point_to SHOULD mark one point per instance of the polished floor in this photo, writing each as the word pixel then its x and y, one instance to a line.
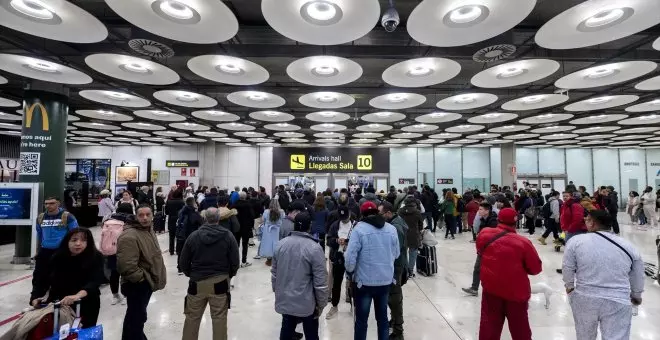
pixel 434 307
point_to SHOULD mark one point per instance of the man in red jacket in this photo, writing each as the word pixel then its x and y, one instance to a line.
pixel 472 208
pixel 506 260
pixel 571 217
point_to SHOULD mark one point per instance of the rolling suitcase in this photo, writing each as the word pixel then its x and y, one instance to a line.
pixel 427 262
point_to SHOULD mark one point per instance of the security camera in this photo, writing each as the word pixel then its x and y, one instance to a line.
pixel 390 19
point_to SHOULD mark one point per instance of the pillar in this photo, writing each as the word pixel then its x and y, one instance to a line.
pixel 508 164
pixel 42 149
pixel 208 172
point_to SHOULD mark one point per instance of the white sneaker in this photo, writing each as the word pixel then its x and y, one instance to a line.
pixel 332 312
pixel 257 257
pixel 246 264
pixel 116 298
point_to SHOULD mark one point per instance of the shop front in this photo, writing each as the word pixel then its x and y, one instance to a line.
pixel 318 169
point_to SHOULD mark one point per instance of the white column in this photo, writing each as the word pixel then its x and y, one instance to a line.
pixel 508 163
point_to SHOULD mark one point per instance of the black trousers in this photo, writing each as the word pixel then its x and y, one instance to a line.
pixel 137 300
pixel 179 248
pixel 172 233
pixel 551 227
pixel 530 224
pixel 615 222
pixel 114 274
pixel 450 224
pixel 245 244
pixel 338 271
pixel 476 273
pixel 89 311
pixel 42 267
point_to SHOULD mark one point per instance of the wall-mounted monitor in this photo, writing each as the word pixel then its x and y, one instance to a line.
pixel 19 203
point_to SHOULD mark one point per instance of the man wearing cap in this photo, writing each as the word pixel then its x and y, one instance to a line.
pixel 369 260
pixel 288 224
pixel 338 236
pixel 299 280
pixel 506 261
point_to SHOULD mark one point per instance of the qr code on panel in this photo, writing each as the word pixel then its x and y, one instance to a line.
pixel 30 163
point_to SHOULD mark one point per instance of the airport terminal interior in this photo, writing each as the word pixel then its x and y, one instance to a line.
pixel 531 95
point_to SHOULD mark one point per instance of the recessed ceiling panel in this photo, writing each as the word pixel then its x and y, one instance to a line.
pixel 190 126
pixel 56 20
pixel 650 84
pixel 535 102
pixel 114 98
pixel 553 129
pixel 4 102
pixel 228 70
pixel 256 99
pixel 515 73
pixel 329 127
pixel 321 22
pixel 144 126
pixel 185 99
pixel 509 128
pixel 233 126
pixel 596 22
pixel 467 101
pixel 607 74
pixel 466 128
pixel 250 134
pixel 421 127
pixel 283 127
pixel 446 23
pixel 326 100
pixel 192 21
pixel 653 105
pixel 383 117
pixel 324 71
pixel 641 120
pixel 421 72
pixel 600 103
pixel 42 70
pixel 133 69
pixel 374 127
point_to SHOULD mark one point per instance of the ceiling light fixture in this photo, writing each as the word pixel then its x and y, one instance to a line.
pixel 655 102
pixel 397 98
pixel 649 117
pixel 324 71
pixel 383 114
pixel 373 126
pixel 135 68
pixel 533 99
pixel 33 8
pixel 419 71
pixel 176 9
pixel 599 100
pixel 511 72
pixel 283 124
pixel 545 116
pixel 229 69
pixel 271 113
pixel 492 115
pixel 327 114
pixel 466 16
pixel 235 124
pixel 601 72
pixel 160 113
pixel 438 114
pixel 98 124
pixel 107 113
pixel 605 18
pixel 326 97
pixel 144 124
pixel 465 99
pixel 463 127
pixel 257 96
pixel 116 95
pixel 215 113
pixel 187 97
pixel 42 66
pixel 509 127
pixel 321 12
pixel 594 118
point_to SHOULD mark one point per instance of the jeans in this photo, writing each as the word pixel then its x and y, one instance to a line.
pixel 412 259
pixel 245 244
pixel 551 227
pixel 450 223
pixel 429 220
pixel 363 297
pixel 137 299
pixel 338 271
pixel 310 327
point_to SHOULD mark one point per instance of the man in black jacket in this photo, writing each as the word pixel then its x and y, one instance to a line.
pixel 210 259
pixel 246 220
pixel 210 200
pixel 613 207
pixel 172 208
pixel 488 219
pixel 188 221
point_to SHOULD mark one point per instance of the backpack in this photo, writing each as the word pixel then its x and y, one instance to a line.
pixel 110 233
pixel 65 218
pixel 546 211
pixel 460 206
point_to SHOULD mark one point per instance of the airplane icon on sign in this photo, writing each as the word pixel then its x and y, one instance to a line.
pixel 297 162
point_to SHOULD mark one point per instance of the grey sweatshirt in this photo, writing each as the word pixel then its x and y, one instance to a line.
pixel 554 207
pixel 597 268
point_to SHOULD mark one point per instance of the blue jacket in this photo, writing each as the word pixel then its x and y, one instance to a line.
pixel 318 222
pixel 371 253
pixel 233 198
pixel 270 234
pixel 51 231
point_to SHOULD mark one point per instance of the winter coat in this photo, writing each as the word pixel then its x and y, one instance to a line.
pixel 506 263
pixel 369 197
pixel 209 201
pixel 139 256
pixel 415 222
pixel 70 274
pixel 160 202
pixel 172 208
pixel 318 221
pixel 210 251
pixel 571 219
pixel 287 227
pixel 228 219
pixel 401 262
pixel 245 216
pixel 448 207
pixel 333 242
pixel 648 199
pixel 270 234
pixel 257 206
pixel 471 208
pixel 298 276
pixel 106 208
pixel 489 222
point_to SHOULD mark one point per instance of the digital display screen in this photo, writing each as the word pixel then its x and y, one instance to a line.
pixel 15 204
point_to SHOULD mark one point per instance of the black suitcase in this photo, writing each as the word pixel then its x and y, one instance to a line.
pixel 427 262
pixel 159 221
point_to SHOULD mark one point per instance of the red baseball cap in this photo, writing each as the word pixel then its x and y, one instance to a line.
pixel 368 208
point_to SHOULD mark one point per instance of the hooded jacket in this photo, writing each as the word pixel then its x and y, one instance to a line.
pixel 228 219
pixel 245 216
pixel 571 219
pixel 401 262
pixel 210 201
pixel 369 197
pixel 270 233
pixel 210 251
pixel 506 263
pixel 189 220
pixel 371 252
pixel 139 256
pixel 415 222
pixel 51 230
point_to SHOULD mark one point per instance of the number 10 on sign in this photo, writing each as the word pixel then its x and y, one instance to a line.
pixel 364 162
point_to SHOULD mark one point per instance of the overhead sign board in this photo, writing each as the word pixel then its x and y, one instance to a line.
pixel 182 164
pixel 336 160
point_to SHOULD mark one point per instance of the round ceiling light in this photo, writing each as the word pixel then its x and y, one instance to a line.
pixel 256 99
pixel 33 8
pixel 326 100
pixel 135 68
pixel 511 72
pixel 41 69
pixel 186 97
pixel 532 99
pixel 601 72
pixel 466 16
pixel 605 75
pixel 515 73
pixel 321 12
pixel 605 19
pixel 324 70
pixel 114 98
pixel 229 68
pixel 176 11
pixel 465 99
pixel 41 66
pixel 421 72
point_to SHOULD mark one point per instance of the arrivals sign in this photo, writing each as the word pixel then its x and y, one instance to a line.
pixel 335 160
pixel 182 164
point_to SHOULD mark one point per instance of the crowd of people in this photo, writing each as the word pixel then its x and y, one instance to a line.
pixel 372 242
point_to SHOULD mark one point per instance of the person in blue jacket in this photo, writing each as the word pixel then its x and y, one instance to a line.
pixel 319 218
pixel 52 227
pixel 233 197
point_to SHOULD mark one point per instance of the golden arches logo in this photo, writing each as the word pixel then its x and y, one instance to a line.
pixel 44 116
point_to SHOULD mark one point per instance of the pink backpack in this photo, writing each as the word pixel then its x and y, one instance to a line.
pixel 110 233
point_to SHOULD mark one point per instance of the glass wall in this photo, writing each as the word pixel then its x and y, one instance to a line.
pixel 476 169
pixel 448 169
pixel 633 171
pixel 551 161
pixel 527 161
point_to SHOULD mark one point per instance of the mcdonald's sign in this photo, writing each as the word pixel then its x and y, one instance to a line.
pixel 44 116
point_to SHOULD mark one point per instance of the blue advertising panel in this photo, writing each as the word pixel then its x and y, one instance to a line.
pixel 15 203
